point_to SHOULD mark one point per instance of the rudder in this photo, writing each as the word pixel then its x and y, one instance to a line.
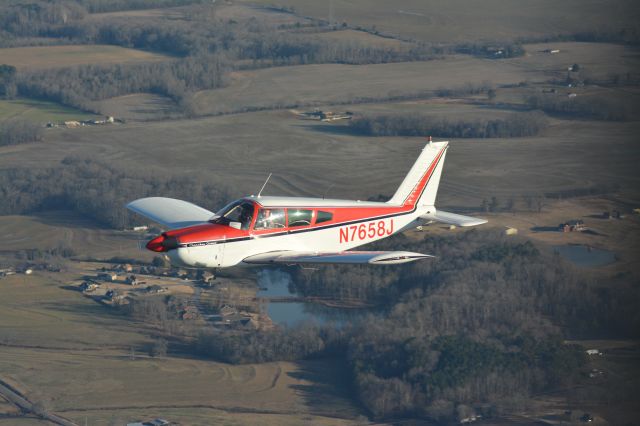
pixel 420 186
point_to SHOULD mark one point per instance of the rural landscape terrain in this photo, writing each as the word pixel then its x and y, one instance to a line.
pixel 531 318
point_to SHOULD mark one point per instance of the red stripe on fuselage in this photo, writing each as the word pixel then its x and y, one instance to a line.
pixel 341 215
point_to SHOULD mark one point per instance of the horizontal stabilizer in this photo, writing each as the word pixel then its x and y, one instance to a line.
pixel 452 218
pixel 170 212
pixel 345 257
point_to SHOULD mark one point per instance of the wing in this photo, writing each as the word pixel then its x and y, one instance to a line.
pixel 453 219
pixel 170 212
pixel 344 257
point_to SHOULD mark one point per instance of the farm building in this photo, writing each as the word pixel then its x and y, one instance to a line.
pixel 108 276
pixel 576 225
pixel 89 286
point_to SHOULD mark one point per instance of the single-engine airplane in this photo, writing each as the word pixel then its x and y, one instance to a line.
pixel 259 230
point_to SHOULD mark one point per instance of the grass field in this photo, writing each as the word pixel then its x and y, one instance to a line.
pixel 65 350
pixel 49 229
pixel 332 83
pixel 447 21
pixel 39 111
pixel 31 58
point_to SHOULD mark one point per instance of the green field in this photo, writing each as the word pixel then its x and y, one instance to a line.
pixel 40 111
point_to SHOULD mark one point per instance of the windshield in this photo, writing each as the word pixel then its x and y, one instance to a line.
pixel 239 212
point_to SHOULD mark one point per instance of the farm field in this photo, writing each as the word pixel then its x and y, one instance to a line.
pixel 446 21
pixel 82 358
pixel 306 157
pixel 32 58
pixel 81 366
pixel 47 230
pixel 40 111
pixel 333 83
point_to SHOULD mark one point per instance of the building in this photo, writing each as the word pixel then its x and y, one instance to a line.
pixel 511 231
pixel 108 276
pixel 89 286
pixel 575 225
pixel 132 280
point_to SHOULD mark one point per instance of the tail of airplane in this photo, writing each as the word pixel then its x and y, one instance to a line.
pixel 420 187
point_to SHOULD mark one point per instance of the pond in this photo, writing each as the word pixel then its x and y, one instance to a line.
pixel 585 256
pixel 275 283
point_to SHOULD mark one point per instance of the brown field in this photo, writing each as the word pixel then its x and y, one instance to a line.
pixel 333 83
pixel 75 356
pixel 48 230
pixel 307 157
pixel 446 21
pixel 138 107
pixel 361 38
pixel 30 58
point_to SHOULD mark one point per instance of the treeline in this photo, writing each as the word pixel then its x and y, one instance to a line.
pixel 511 279
pixel 493 50
pixel 283 344
pixel 97 6
pixel 18 131
pixel 514 125
pixel 588 107
pixel 77 86
pixel 97 190
pixel 477 326
pixel 291 49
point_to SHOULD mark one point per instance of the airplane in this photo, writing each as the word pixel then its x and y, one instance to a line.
pixel 267 230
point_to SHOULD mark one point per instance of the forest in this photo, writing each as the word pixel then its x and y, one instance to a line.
pixel 477 325
pixel 97 190
pixel 517 124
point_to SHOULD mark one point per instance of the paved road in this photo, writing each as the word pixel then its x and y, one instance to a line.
pixel 26 406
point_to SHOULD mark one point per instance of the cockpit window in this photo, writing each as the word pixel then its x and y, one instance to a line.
pixel 270 219
pixel 299 217
pixel 324 217
pixel 237 215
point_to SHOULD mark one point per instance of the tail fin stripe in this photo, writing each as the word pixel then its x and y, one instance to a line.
pixel 421 185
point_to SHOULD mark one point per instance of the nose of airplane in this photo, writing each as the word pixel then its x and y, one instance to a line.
pixel 163 243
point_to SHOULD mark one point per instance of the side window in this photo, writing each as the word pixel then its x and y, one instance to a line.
pixel 299 217
pixel 324 217
pixel 270 219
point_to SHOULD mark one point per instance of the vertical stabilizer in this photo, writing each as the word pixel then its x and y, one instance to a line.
pixel 420 186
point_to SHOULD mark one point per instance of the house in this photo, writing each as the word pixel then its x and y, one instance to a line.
pixel 227 310
pixel 575 225
pixel 155 289
pixel 189 312
pixel 594 352
pixel 114 296
pixel 140 228
pixel 511 231
pixel 72 124
pixel 89 286
pixel 132 280
pixel 108 276
pixel 207 278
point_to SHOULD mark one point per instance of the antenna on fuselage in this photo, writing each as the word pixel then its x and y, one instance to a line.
pixel 327 190
pixel 265 184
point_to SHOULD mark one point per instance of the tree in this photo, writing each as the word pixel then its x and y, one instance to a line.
pixel 159 348
pixel 8 81
pixel 494 204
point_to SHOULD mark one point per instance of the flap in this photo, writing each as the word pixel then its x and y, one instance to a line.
pixel 453 219
pixel 344 257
